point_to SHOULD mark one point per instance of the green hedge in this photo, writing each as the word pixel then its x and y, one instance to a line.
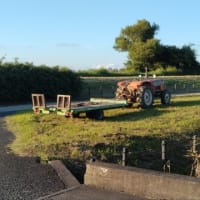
pixel 19 80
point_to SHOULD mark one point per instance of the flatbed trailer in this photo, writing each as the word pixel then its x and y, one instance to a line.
pixel 94 108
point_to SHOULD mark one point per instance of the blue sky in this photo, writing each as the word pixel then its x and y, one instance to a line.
pixel 80 34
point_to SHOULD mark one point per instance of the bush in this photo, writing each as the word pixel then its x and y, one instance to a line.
pixel 19 80
pixel 169 70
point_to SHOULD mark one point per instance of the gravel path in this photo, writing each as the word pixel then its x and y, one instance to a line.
pixel 22 177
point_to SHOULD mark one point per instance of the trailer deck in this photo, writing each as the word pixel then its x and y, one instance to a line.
pixel 93 108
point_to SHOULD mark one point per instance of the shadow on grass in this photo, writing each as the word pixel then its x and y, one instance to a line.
pixel 136 115
pixel 145 152
pixel 142 152
pixel 154 111
pixel 187 103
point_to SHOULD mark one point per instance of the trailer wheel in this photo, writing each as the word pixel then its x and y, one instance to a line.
pixel 75 115
pixel 129 105
pixel 99 115
pixel 95 114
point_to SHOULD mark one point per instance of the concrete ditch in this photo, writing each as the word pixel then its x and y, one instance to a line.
pixel 143 183
pixel 76 191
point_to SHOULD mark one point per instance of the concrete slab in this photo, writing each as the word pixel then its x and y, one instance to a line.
pixel 142 182
pixel 75 191
pixel 65 175
pixel 89 193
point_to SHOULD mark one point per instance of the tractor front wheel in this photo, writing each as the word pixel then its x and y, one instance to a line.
pixel 145 97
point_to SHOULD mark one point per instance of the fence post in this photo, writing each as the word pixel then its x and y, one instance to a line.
pixel 101 91
pixel 166 163
pixel 89 92
pixel 113 91
pixel 193 85
pixel 194 144
pixel 124 155
pixel 163 150
pixel 175 86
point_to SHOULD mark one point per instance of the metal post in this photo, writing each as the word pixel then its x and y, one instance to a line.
pixel 163 149
pixel 168 166
pixel 175 86
pixel 193 85
pixel 146 72
pixel 124 153
pixel 113 92
pixel 101 91
pixel 194 144
pixel 89 92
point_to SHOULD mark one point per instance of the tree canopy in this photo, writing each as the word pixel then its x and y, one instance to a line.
pixel 130 35
pixel 144 50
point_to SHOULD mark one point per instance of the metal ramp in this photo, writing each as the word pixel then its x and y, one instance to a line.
pixel 39 104
pixel 63 105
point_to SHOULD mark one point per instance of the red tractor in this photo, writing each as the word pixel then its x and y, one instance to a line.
pixel 143 92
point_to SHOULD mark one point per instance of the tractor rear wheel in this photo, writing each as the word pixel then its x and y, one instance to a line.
pixel 145 97
pixel 165 97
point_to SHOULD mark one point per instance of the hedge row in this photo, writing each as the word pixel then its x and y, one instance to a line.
pixel 19 80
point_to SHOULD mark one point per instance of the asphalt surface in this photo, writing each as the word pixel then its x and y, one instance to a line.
pixel 22 178
pixel 90 193
pixel 8 110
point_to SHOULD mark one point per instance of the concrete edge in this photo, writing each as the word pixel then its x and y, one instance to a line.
pixel 143 183
pixel 154 173
pixel 57 193
pixel 70 182
pixel 64 174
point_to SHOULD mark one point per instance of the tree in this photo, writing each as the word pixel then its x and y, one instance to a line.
pixel 138 40
pixel 146 51
pixel 143 54
pixel 188 59
pixel 183 59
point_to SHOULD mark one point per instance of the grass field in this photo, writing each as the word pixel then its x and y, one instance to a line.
pixel 140 131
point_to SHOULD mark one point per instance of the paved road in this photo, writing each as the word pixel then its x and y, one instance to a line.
pixel 90 193
pixel 15 107
pixel 22 178
pixel 6 110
